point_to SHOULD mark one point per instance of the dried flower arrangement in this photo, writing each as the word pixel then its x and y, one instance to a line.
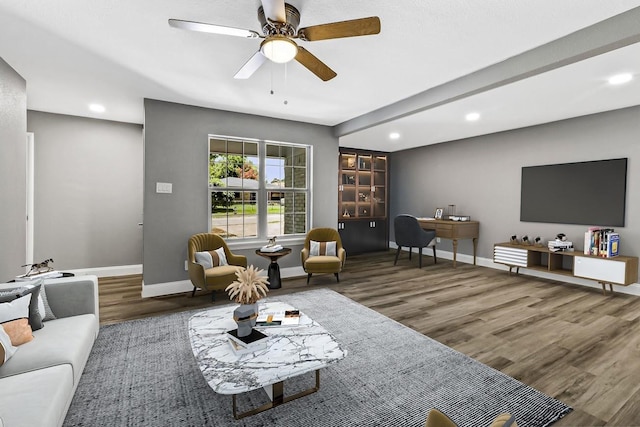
pixel 249 287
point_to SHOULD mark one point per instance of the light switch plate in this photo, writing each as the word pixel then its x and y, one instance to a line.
pixel 164 187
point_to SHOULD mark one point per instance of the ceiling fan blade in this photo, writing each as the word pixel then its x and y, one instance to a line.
pixel 314 65
pixel 274 10
pixel 251 66
pixel 212 28
pixel 335 30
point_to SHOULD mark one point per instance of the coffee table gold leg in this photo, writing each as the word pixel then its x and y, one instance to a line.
pixel 278 398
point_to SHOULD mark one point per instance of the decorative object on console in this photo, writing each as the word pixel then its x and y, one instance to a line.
pixel 271 246
pixel 560 245
pixel 246 291
pixel 39 267
pixel 525 240
pixel 451 212
pixel 514 240
pixel 438 213
pixel 537 240
pixel 561 237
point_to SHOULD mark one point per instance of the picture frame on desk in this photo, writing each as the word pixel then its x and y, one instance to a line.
pixel 438 213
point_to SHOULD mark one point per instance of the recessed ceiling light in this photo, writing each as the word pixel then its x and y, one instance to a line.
pixel 394 135
pixel 472 117
pixel 96 108
pixel 619 79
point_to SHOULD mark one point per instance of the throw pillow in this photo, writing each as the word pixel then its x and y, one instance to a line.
pixel 16 309
pixel 6 348
pixel 322 248
pixel 210 259
pixel 19 331
pixel 35 306
pixel 48 312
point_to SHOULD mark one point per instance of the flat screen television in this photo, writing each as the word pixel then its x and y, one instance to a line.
pixel 587 193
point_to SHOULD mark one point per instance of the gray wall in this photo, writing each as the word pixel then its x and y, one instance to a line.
pixel 481 176
pixel 176 151
pixel 88 191
pixel 13 152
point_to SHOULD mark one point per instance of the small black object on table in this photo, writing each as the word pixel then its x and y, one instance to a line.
pixel 274 269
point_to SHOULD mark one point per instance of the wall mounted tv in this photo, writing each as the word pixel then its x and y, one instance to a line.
pixel 587 193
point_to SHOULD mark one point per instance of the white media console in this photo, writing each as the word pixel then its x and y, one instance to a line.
pixel 620 270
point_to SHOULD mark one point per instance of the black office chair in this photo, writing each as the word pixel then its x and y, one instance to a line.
pixel 409 234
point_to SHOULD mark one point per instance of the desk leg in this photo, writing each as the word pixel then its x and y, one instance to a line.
pixel 475 248
pixel 455 251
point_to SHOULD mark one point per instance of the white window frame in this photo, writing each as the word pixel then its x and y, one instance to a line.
pixel 262 202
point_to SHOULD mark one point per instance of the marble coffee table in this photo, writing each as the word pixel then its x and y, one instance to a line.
pixel 291 351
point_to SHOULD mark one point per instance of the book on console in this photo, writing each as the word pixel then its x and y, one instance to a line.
pixel 274 248
pixel 46 275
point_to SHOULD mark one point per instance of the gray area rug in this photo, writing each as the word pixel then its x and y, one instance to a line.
pixel 143 373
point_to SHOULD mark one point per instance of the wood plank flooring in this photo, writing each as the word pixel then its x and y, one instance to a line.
pixel 567 341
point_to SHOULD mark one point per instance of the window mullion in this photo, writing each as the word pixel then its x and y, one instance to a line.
pixel 262 192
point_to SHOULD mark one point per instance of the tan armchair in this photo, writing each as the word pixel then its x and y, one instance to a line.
pixel 215 278
pixel 323 264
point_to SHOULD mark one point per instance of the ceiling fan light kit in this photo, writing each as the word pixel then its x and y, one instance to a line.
pixel 279 22
pixel 279 49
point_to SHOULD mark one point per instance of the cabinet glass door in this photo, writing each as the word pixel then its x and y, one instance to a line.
pixel 362 185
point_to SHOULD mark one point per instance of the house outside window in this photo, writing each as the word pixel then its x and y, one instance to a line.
pixel 258 189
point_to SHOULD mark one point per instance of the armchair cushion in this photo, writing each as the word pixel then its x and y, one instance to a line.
pixel 210 259
pixel 322 248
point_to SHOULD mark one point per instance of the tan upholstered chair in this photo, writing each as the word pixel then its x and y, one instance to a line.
pixel 323 264
pixel 215 278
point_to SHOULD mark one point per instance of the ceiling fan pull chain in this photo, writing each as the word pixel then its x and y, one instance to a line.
pixel 271 72
pixel 286 87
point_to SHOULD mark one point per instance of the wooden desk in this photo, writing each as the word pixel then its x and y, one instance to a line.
pixel 454 230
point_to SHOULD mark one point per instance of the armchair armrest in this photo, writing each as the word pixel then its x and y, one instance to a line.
pixel 304 255
pixel 240 260
pixel 196 274
pixel 342 254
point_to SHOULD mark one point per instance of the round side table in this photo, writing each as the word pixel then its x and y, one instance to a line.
pixel 274 269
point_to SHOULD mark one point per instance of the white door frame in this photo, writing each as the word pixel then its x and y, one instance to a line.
pixel 30 197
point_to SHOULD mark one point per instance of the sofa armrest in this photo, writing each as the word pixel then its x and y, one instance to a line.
pixel 71 296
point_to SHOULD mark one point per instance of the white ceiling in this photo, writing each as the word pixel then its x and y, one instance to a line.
pixel 118 52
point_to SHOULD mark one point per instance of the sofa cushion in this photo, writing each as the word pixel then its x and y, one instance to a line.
pixel 62 341
pixel 38 398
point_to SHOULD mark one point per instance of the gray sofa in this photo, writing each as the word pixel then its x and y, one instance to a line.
pixel 37 384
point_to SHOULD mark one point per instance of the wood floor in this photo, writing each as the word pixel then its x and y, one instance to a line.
pixel 567 341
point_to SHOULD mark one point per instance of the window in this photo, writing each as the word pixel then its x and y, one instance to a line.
pixel 258 189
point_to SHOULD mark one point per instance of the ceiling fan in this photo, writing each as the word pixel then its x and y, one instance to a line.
pixel 279 21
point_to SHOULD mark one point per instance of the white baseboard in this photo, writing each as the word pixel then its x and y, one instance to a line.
pixel 167 288
pixel 633 289
pixel 181 286
pixel 118 270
